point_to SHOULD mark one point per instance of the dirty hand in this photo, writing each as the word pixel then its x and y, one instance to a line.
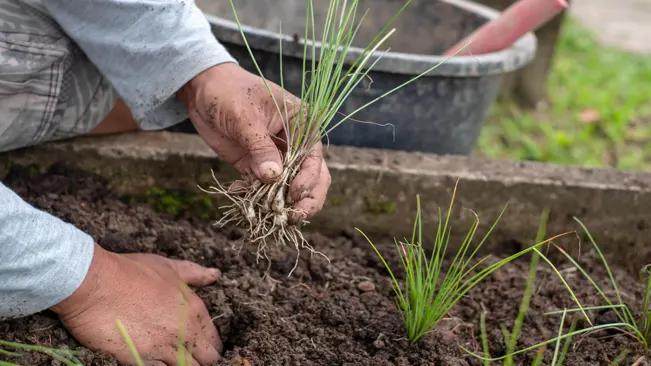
pixel 143 291
pixel 234 113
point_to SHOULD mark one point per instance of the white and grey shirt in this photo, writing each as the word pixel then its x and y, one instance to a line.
pixel 63 64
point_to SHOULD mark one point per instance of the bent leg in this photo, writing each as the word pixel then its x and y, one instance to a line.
pixel 118 120
pixel 49 90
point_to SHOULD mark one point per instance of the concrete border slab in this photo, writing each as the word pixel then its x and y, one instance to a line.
pixel 375 190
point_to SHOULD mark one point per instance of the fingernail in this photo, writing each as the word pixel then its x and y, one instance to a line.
pixel 269 170
pixel 215 272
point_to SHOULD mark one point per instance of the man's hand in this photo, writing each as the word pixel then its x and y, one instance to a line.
pixel 234 113
pixel 144 292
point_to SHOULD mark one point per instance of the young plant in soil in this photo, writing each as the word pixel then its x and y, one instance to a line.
pixel 263 209
pixel 430 292
pixel 511 336
pixel 636 326
pixel 64 356
pixel 559 353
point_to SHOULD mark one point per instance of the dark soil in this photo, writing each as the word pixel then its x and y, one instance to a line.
pixel 325 314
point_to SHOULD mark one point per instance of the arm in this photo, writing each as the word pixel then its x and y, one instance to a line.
pixel 147 49
pixel 150 50
pixel 43 260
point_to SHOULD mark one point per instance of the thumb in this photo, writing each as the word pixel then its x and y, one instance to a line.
pixel 266 163
pixel 195 274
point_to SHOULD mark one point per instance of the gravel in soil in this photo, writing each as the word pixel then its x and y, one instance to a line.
pixel 338 313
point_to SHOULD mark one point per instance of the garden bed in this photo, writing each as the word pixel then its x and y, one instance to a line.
pixel 325 314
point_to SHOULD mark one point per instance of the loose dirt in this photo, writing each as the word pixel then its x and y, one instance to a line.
pixel 325 314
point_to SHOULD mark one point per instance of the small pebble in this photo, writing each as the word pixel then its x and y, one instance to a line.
pixel 378 343
pixel 227 282
pixel 366 286
pixel 208 252
pixel 240 361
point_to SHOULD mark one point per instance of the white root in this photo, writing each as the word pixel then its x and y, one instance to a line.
pixel 263 211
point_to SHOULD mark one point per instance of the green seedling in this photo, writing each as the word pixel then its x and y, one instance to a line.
pixel 511 337
pixel 559 352
pixel 64 356
pixel 638 327
pixel 263 209
pixel 429 292
pixel 635 327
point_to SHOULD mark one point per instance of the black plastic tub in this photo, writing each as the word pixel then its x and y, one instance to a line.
pixel 441 113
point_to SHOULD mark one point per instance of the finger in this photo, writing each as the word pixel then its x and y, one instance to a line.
pixel 201 334
pixel 315 200
pixel 210 333
pixel 204 324
pixel 203 351
pixel 265 161
pixel 194 274
pixel 308 177
pixel 238 187
pixel 170 356
pixel 154 363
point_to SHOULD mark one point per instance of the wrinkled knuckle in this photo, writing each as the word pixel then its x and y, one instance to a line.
pixel 259 146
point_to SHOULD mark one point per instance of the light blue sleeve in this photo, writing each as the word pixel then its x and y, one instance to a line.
pixel 147 49
pixel 43 260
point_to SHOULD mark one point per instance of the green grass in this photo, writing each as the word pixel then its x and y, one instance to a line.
pixel 13 351
pixel 637 326
pixel 430 290
pixel 586 78
pixel 511 336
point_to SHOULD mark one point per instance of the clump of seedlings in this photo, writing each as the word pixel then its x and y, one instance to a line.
pixel 511 336
pixel 637 326
pixel 430 291
pixel 263 210
pixel 12 350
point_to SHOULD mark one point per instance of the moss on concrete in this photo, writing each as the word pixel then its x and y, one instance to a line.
pixel 176 202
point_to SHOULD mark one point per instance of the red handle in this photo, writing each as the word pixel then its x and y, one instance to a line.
pixel 520 18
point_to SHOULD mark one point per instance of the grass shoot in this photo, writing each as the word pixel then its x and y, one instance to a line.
pixel 429 291
pixel 638 327
pixel 511 336
pixel 263 209
pixel 64 356
pixel 558 358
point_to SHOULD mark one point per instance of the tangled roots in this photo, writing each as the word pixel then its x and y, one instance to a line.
pixel 262 210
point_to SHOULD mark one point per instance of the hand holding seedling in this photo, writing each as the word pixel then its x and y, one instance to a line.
pixel 150 306
pixel 235 114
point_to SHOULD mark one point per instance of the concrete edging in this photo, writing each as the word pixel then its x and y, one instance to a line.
pixel 376 190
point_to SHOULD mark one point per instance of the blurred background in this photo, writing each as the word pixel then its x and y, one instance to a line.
pixel 592 107
pixel 584 100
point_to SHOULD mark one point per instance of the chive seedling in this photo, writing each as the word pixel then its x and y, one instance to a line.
pixel 638 327
pixel 511 336
pixel 263 209
pixel 430 292
pixel 558 358
pixel 63 356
